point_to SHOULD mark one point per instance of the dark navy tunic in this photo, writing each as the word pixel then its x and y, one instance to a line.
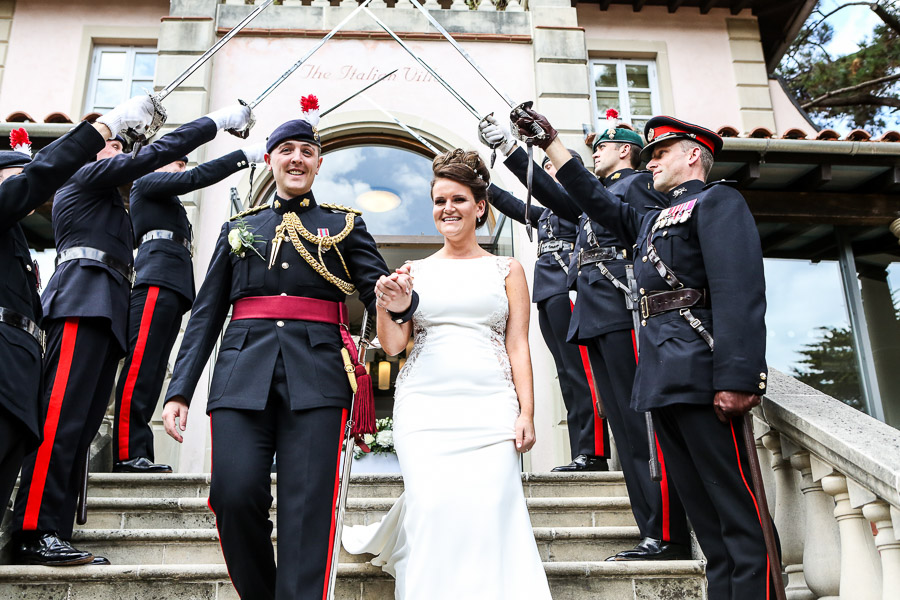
pixel 716 248
pixel 19 195
pixel 89 211
pixel 155 205
pixel 250 347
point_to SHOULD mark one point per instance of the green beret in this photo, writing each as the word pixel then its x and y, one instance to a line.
pixel 621 135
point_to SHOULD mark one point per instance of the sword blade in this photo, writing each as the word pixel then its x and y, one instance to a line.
pixel 306 56
pixel 464 54
pixel 357 93
pixel 209 53
pixel 425 65
pixel 403 126
pixel 528 180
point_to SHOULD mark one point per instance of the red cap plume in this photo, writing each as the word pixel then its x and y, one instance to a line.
pixel 18 141
pixel 308 103
pixel 612 113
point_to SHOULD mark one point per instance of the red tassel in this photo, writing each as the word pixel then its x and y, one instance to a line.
pixel 364 404
pixel 308 103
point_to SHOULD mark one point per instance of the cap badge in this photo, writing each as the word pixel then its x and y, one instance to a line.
pixel 611 133
pixel 650 135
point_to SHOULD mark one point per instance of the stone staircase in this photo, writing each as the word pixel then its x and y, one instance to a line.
pixel 161 538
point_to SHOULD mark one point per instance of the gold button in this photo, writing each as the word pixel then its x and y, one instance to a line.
pixel 280 323
pixel 643 323
pixel 762 385
pixel 762 376
pixel 28 268
pixel 644 259
pixel 284 265
pixel 642 291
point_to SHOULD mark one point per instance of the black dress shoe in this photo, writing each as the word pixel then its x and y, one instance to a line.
pixel 140 465
pixel 99 560
pixel 584 462
pixel 49 550
pixel 653 549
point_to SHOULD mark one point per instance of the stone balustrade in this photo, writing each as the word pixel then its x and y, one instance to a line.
pixel 834 490
pixel 479 5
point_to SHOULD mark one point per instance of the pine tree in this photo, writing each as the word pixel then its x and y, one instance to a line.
pixel 829 365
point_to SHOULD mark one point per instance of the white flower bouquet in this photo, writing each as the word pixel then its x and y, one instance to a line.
pixel 383 440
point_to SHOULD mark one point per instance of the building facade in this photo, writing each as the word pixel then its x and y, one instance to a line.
pixel 826 204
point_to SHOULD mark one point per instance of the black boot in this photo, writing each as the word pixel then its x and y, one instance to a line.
pixel 33 548
pixel 140 465
pixel 653 549
pixel 584 462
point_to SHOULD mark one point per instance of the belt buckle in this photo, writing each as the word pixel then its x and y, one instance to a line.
pixel 645 307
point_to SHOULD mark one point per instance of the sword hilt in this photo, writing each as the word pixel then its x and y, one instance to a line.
pixel 135 139
pixel 537 132
pixel 493 146
pixel 244 132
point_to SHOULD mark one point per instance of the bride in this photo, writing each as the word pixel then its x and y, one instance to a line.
pixel 463 408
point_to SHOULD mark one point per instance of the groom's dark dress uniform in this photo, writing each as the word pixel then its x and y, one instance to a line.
pixel 588 432
pixel 20 305
pixel 85 317
pixel 163 292
pixel 601 322
pixel 708 246
pixel 279 386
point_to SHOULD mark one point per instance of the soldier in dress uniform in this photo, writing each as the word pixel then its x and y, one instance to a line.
pixel 700 271
pixel 602 322
pixel 163 292
pixel 280 382
pixel 588 433
pixel 25 184
pixel 85 314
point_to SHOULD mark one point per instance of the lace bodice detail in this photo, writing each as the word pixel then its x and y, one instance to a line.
pixel 461 320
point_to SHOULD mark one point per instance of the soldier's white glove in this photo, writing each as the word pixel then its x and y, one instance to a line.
pixel 495 133
pixel 236 116
pixel 255 153
pixel 135 113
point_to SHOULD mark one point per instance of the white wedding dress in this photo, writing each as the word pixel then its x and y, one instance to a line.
pixel 461 529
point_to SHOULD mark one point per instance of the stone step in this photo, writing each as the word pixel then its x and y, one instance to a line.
pixel 683 580
pixel 193 513
pixel 181 485
pixel 192 546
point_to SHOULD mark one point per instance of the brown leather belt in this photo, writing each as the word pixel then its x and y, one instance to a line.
pixel 657 303
pixel 596 255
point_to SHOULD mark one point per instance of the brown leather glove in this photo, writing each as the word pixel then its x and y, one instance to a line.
pixel 730 405
pixel 534 125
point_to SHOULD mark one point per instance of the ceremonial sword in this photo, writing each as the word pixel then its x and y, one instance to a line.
pixel 349 446
pixel 245 131
pixel 138 139
pixel 357 93
pixel 404 126
pixel 517 110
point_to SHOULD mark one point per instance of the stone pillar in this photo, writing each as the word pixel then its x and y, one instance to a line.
pixel 888 544
pixel 860 568
pixel 821 543
pixel 790 516
pixel 884 335
pixel 750 74
pixel 7 8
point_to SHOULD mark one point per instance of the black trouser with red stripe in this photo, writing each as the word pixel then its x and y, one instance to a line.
pixel 588 433
pixel 154 319
pixel 656 507
pixel 708 465
pixel 13 437
pixel 79 368
pixel 308 444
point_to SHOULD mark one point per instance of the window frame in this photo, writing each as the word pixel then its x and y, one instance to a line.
pixel 131 52
pixel 623 89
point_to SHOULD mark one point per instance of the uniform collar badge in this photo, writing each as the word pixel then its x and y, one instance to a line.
pixel 615 176
pixel 304 202
pixel 278 204
pixel 678 191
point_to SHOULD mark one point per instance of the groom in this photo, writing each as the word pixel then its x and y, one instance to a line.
pixel 280 383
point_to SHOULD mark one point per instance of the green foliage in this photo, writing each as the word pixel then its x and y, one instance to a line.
pixel 860 87
pixel 829 365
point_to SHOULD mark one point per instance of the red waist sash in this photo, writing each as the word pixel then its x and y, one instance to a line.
pixel 298 308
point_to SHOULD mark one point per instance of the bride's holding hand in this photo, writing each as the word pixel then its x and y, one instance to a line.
pixel 464 406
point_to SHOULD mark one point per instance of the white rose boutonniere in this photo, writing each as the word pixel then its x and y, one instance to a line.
pixel 241 239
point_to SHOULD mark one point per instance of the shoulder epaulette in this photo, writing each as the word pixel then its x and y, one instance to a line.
pixel 250 211
pixel 728 182
pixel 341 208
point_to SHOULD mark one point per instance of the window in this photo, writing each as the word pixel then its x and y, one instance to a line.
pixel 118 73
pixel 629 86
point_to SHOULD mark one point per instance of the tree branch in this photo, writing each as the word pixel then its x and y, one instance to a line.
pixel 839 8
pixel 820 101
pixel 888 17
pixel 858 99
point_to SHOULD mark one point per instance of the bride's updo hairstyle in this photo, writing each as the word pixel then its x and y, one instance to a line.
pixel 467 168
